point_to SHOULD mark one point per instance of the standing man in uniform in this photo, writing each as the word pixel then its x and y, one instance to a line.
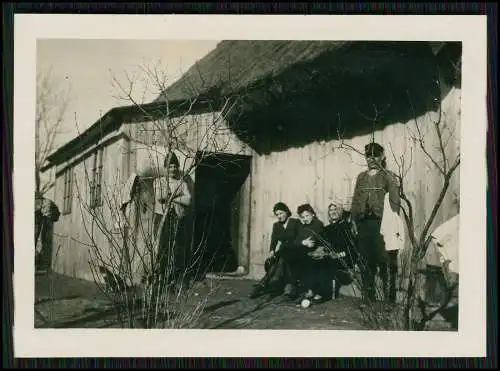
pixel 367 212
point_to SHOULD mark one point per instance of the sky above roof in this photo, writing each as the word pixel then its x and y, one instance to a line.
pixel 90 70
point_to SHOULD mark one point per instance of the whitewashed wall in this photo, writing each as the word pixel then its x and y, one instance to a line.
pixel 75 233
pixel 320 173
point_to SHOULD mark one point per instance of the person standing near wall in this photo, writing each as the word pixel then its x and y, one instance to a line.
pixel 367 211
pixel 46 214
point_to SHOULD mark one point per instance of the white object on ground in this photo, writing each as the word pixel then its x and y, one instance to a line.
pixel 305 303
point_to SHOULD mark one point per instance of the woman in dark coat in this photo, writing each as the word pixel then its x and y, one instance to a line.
pixel 308 239
pixel 283 237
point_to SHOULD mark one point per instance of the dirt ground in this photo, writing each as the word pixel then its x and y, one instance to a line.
pixel 63 302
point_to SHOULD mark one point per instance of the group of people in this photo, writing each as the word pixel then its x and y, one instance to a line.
pixel 306 253
pixel 306 256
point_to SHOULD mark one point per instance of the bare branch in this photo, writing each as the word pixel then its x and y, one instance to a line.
pixel 51 106
pixel 440 138
pixel 439 201
pixel 420 138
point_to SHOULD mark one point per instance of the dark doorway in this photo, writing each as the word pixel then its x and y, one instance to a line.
pixel 218 181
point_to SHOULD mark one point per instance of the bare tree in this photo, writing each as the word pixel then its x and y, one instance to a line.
pixel 413 313
pixel 51 106
pixel 135 268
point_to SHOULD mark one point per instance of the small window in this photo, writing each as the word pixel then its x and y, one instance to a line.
pixel 68 191
pixel 96 180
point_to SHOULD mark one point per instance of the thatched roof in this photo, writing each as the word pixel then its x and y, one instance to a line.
pixel 293 92
pixel 237 65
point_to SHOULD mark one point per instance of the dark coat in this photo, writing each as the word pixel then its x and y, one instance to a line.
pixel 369 193
pixel 313 230
pixel 287 235
pixel 340 239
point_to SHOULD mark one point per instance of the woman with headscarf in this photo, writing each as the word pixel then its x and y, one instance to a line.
pixel 339 256
pixel 283 235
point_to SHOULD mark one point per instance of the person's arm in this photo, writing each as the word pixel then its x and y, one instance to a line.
pixel 319 228
pixel 160 190
pixel 182 195
pixel 325 237
pixel 393 189
pixel 299 235
pixel 357 198
pixel 274 239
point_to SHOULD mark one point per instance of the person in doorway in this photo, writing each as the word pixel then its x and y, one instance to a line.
pixel 278 271
pixel 173 204
pixel 367 212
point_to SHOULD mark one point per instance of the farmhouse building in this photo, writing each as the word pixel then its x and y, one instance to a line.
pixel 269 121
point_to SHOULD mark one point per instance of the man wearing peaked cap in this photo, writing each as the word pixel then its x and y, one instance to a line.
pixel 374 149
pixel 367 210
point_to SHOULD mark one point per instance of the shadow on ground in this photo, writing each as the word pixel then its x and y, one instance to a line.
pixel 63 302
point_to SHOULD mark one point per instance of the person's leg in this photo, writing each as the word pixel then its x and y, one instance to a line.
pixel 187 260
pixel 338 270
pixel 313 278
pixel 45 256
pixel 393 274
pixel 337 289
pixel 277 276
pixel 38 225
pixel 368 275
pixel 293 257
pixel 323 274
pixel 167 252
pixel 383 274
pixel 287 261
pixel 182 252
pixel 367 258
pixel 325 280
pixel 378 255
pixel 309 274
pixel 273 281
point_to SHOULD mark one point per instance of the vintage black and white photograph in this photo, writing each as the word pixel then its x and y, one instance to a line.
pixel 248 184
pixel 314 179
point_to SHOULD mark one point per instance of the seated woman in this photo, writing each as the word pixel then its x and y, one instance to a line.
pixel 283 236
pixel 309 237
pixel 341 255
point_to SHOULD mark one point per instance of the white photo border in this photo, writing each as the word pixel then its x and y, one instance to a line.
pixel 469 341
